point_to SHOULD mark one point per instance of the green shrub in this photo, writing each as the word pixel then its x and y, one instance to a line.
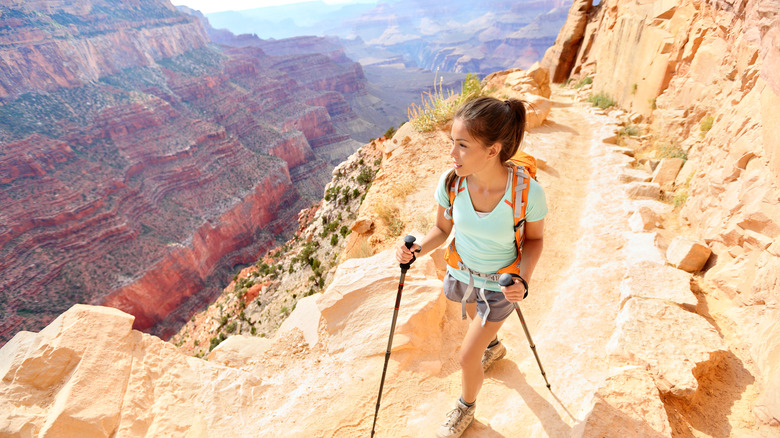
pixel 436 108
pixel 705 125
pixel 390 132
pixel 334 239
pixel 601 100
pixel 366 176
pixel 671 151
pixel 630 130
pixel 230 328
pixel 679 199
pixel 584 81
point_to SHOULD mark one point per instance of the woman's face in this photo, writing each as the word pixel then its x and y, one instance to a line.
pixel 469 155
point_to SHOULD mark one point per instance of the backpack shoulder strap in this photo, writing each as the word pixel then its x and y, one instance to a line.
pixel 521 183
pixel 453 190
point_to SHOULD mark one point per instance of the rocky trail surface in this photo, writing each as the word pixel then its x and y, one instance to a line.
pixel 629 348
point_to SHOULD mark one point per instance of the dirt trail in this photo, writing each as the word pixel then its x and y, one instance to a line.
pixel 571 309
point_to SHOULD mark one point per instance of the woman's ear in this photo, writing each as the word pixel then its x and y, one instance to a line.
pixel 495 150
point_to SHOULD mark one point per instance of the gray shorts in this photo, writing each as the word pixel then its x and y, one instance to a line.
pixel 500 308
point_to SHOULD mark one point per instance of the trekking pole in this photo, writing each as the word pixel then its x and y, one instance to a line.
pixel 507 279
pixel 408 241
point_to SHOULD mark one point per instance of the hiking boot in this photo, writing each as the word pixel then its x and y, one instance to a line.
pixel 458 420
pixel 492 354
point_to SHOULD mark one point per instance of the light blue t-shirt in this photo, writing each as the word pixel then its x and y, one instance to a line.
pixel 487 244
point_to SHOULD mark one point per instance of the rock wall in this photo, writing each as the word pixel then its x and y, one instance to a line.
pixel 705 74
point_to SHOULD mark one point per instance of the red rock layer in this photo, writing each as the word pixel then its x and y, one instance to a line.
pixel 88 34
pixel 184 270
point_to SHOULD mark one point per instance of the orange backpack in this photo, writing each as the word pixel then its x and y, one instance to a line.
pixel 524 168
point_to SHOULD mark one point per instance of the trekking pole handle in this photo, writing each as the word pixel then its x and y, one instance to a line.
pixel 506 279
pixel 409 241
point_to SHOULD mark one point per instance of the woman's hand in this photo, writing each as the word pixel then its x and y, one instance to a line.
pixel 404 254
pixel 515 292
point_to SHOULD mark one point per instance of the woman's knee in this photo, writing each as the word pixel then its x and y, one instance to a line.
pixel 469 357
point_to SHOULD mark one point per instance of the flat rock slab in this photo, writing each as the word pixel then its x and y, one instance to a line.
pixel 672 343
pixel 647 279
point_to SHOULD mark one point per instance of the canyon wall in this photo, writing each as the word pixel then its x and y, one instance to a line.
pixel 140 164
pixel 704 75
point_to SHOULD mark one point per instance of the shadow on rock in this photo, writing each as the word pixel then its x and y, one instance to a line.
pixel 546 413
pixel 719 388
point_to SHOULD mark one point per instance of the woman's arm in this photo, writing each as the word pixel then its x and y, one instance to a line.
pixel 532 250
pixel 435 237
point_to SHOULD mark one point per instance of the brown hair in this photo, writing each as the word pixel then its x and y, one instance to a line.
pixel 490 120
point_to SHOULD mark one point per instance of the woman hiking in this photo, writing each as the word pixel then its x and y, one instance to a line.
pixel 486 133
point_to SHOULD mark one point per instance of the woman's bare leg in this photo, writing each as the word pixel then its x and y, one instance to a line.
pixel 474 344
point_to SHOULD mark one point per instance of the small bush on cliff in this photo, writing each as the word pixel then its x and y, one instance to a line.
pixel 436 109
pixel 601 100
pixel 390 132
pixel 705 125
pixel 666 150
pixel 366 176
pixel 583 82
pixel 630 130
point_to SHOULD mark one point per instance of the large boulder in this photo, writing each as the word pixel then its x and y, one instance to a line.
pixel 626 404
pixel 671 342
pixel 88 374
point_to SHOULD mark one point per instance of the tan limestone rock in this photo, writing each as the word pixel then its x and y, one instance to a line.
pixel 621 150
pixel 362 225
pixel 686 254
pixel 648 279
pixel 672 343
pixel 306 317
pixel 643 190
pixel 239 351
pixel 768 354
pixel 643 219
pixel 535 80
pixel 626 404
pixel 357 306
pixel 667 170
pixel 537 112
pixel 630 175
pixel 88 374
pixel 685 174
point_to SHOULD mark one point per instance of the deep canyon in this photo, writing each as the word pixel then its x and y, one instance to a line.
pixel 141 163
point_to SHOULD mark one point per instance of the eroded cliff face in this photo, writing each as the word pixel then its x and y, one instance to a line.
pixel 704 75
pixel 139 164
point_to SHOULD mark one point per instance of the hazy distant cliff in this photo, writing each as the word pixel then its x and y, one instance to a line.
pixel 139 163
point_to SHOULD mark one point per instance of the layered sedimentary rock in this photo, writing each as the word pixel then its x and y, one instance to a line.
pixel 705 73
pixel 140 164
